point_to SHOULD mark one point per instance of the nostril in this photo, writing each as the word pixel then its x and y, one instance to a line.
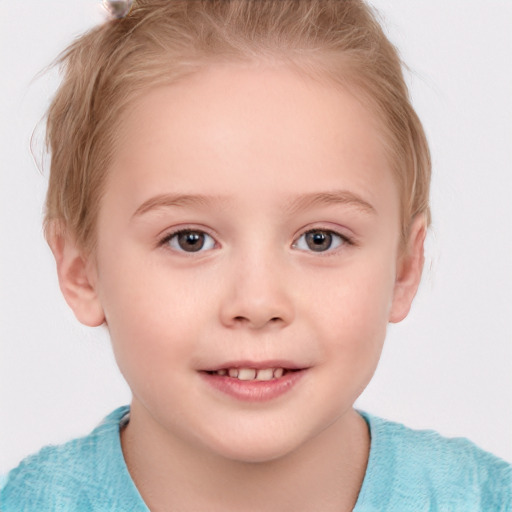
pixel 241 320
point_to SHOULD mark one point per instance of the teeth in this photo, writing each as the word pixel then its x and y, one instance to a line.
pixel 278 373
pixel 246 374
pixel 264 374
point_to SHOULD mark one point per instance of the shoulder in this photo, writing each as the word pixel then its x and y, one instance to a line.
pixel 67 476
pixel 445 473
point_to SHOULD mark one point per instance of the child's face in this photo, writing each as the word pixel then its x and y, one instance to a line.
pixel 291 259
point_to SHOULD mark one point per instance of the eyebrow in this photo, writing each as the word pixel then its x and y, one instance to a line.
pixel 298 204
pixel 168 200
pixel 342 197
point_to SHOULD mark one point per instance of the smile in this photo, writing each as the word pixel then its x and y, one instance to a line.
pixel 250 384
pixel 248 374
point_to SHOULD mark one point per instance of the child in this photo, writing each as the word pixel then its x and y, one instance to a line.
pixel 239 192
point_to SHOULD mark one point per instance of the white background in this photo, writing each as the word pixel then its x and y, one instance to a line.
pixel 448 366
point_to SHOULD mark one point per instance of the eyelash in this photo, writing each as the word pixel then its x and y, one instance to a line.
pixel 167 238
pixel 343 240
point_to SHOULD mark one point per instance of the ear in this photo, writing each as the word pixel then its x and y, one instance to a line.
pixel 77 277
pixel 409 270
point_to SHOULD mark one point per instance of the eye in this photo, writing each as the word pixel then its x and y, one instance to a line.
pixel 320 240
pixel 189 240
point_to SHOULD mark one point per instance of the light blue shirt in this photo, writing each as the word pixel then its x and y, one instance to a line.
pixel 408 471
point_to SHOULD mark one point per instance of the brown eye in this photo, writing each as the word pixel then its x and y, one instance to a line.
pixel 191 241
pixel 319 240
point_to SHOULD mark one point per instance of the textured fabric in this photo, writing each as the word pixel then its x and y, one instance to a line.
pixel 407 471
pixel 85 475
pixel 421 471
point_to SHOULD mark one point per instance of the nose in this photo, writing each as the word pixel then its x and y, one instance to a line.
pixel 257 294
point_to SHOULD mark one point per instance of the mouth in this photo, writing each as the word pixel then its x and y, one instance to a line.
pixel 252 374
pixel 254 382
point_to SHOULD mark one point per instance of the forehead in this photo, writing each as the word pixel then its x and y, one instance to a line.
pixel 235 131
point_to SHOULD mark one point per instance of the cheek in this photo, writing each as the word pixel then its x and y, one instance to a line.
pixel 150 314
pixel 352 309
pixel 358 295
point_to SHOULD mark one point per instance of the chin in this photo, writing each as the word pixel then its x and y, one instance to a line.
pixel 255 449
pixel 256 455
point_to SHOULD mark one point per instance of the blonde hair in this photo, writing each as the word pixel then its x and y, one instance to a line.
pixel 162 41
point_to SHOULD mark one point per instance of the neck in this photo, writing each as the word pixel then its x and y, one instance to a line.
pixel 324 474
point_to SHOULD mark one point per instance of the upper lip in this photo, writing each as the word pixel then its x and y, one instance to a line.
pixel 257 365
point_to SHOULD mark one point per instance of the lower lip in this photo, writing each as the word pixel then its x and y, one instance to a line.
pixel 253 390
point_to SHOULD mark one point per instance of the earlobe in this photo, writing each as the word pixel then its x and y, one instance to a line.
pixel 76 278
pixel 409 270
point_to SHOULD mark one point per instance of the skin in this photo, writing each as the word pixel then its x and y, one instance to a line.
pixel 255 140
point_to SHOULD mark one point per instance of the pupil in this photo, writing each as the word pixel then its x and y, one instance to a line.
pixel 318 240
pixel 191 241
